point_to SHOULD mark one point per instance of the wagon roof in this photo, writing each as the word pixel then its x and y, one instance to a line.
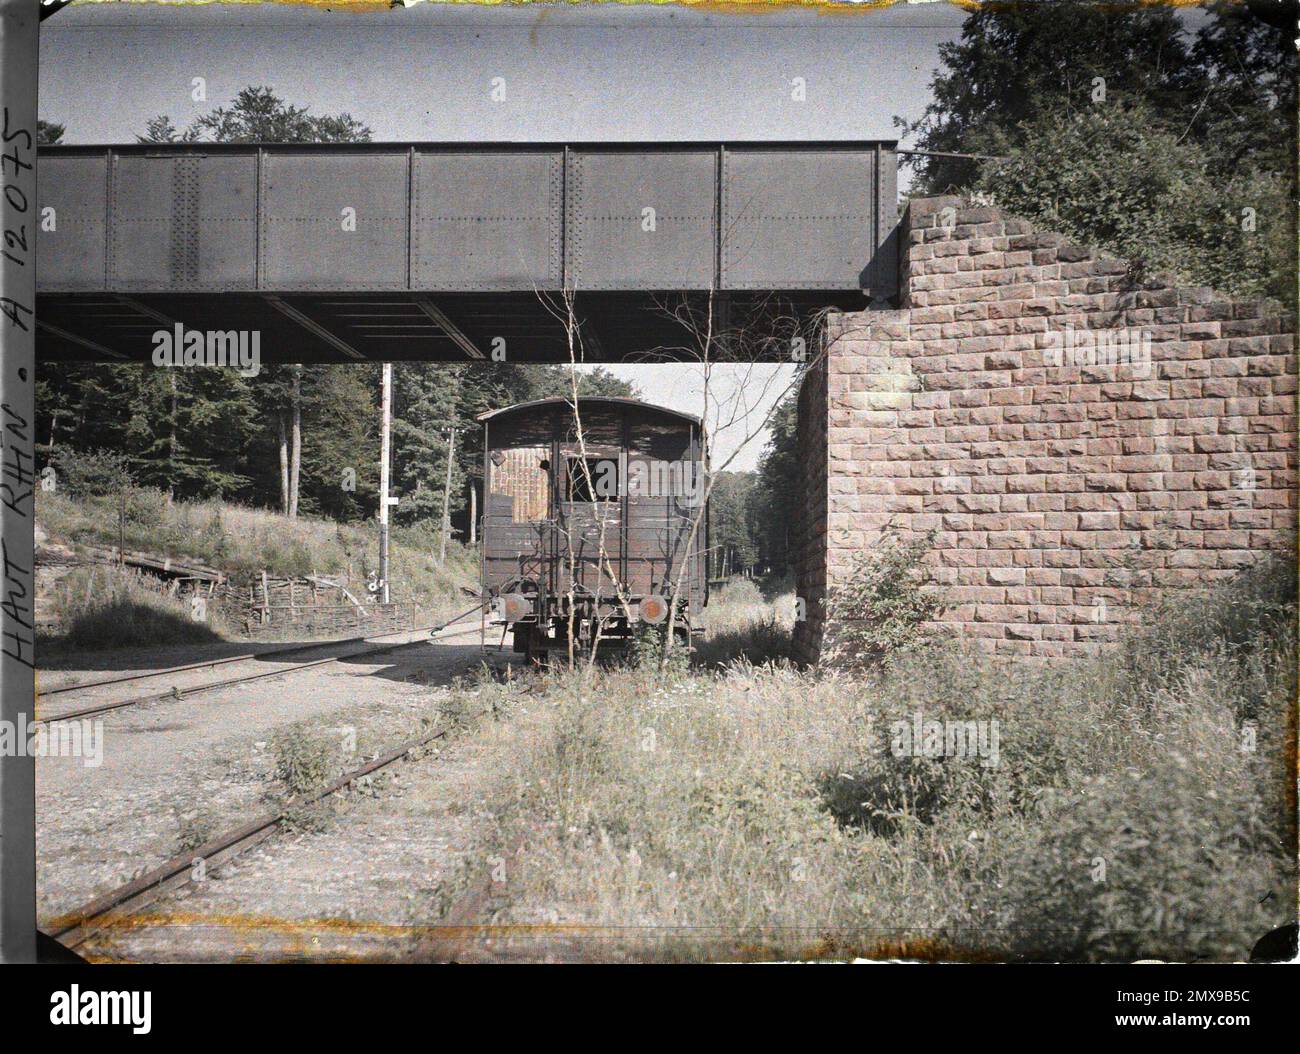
pixel 587 400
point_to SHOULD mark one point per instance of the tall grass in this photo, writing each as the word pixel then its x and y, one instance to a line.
pixel 1142 805
pixel 742 625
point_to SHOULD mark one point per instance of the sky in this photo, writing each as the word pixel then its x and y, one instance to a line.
pixel 597 72
pixel 740 401
pixel 425 72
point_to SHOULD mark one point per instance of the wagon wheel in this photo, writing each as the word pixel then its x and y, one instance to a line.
pixel 533 654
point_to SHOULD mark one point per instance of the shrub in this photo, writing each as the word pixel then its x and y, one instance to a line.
pixel 1146 194
pixel 756 641
pixel 884 602
pixel 743 625
pixel 887 784
pixel 1140 808
pixel 1144 862
pixel 740 591
pixel 213 538
pixel 1245 614
pixel 85 473
pixel 647 645
pixel 145 506
pixel 109 607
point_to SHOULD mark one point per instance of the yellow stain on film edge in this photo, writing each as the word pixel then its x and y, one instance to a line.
pixel 270 923
pixel 749 7
pixel 299 931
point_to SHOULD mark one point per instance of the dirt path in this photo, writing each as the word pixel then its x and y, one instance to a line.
pixel 173 769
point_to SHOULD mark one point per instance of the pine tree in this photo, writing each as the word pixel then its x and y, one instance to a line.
pixel 340 422
pixel 186 429
pixel 777 490
pixel 425 398
pixel 258 115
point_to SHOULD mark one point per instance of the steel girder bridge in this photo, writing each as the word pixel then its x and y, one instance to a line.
pixel 441 251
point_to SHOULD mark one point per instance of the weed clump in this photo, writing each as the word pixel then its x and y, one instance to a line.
pixel 303 758
pixel 194 828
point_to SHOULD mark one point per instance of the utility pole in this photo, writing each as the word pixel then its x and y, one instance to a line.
pixel 473 513
pixel 385 449
pixel 446 496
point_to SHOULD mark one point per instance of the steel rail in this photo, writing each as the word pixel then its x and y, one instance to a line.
pixel 211 686
pixel 293 649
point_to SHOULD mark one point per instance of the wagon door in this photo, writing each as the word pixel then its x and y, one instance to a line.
pixel 663 486
pixel 590 504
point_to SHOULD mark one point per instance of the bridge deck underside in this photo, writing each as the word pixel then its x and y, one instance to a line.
pixel 512 327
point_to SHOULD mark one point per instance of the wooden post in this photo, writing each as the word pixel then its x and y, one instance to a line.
pixel 385 448
pixel 446 496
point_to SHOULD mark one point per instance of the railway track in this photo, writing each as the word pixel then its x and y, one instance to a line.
pixel 434 632
pixel 119 906
pixel 116 907
pixel 81 686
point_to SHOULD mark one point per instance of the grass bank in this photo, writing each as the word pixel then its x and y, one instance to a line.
pixel 105 607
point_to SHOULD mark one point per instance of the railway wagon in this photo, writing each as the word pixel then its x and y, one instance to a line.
pixel 594 532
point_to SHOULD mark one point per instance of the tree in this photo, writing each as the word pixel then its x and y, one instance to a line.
pixel 1118 128
pixel 777 488
pixel 183 425
pixel 731 523
pixel 426 398
pixel 48 133
pixel 601 381
pixel 1117 178
pixel 1013 62
pixel 338 478
pixel 1246 108
pixel 184 431
pixel 258 115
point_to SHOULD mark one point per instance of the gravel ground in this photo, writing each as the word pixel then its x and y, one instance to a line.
pixel 354 891
pixel 177 769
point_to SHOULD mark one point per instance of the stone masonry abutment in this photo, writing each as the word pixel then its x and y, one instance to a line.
pixel 1076 439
